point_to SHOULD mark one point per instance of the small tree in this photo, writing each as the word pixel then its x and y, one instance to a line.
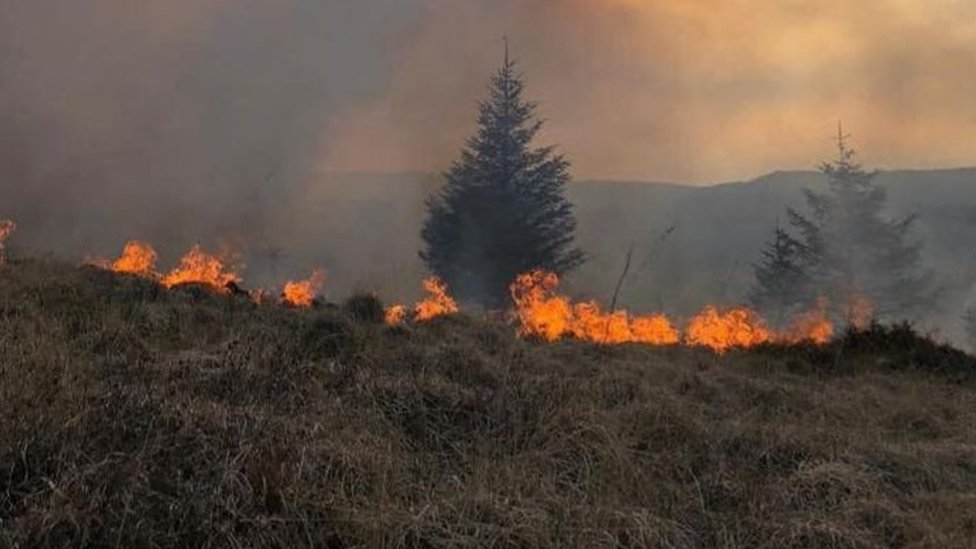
pixel 855 254
pixel 782 284
pixel 502 211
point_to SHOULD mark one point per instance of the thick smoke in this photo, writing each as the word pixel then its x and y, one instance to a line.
pixel 688 90
pixel 175 120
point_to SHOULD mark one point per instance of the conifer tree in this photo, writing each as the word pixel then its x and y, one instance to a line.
pixel 852 252
pixel 502 211
pixel 782 286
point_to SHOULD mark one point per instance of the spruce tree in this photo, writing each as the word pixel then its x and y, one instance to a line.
pixel 502 210
pixel 855 254
pixel 782 286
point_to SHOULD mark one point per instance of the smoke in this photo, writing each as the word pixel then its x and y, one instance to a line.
pixel 168 117
pixel 687 90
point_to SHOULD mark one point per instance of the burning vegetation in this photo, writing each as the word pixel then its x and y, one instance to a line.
pixel 138 258
pixel 437 303
pixel 302 293
pixel 199 267
pixel 539 310
pixel 545 314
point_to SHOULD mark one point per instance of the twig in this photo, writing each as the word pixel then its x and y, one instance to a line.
pixel 616 291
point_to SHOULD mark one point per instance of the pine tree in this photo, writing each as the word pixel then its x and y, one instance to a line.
pixel 855 254
pixel 502 211
pixel 782 286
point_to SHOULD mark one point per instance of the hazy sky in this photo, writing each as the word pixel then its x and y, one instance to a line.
pixel 183 93
pixel 687 90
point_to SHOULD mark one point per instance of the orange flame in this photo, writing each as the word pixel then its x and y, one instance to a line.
pixel 438 302
pixel 541 312
pixel 302 293
pixel 724 330
pixel 201 268
pixel 7 228
pixel 813 326
pixel 138 258
pixel 396 315
pixel 545 314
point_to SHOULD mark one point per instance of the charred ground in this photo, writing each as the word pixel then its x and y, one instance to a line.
pixel 132 415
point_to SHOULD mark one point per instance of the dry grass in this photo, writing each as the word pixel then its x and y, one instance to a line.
pixel 131 416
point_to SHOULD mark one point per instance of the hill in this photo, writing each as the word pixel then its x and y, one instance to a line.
pixel 135 416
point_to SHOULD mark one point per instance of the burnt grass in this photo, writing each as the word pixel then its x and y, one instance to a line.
pixel 131 416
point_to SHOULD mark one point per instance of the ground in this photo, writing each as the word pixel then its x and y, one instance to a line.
pixel 135 416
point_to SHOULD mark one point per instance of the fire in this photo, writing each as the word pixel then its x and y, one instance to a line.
pixel 201 268
pixel 438 302
pixel 7 228
pixel 138 258
pixel 543 313
pixel 396 315
pixel 302 293
pixel 725 330
pixel 540 311
pixel 813 326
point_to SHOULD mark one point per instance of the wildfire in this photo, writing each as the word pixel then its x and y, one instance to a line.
pixel 302 293
pixel 7 228
pixel 138 258
pixel 396 315
pixel 724 330
pixel 543 313
pixel 813 326
pixel 201 268
pixel 437 303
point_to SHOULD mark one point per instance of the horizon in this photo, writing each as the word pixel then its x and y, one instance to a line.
pixel 597 179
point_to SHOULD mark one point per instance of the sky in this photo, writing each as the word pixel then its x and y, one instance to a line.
pixel 182 94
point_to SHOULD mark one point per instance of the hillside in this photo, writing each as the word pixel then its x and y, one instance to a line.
pixel 136 416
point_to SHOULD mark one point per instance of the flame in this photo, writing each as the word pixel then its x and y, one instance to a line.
pixel 7 228
pixel 724 330
pixel 543 313
pixel 201 268
pixel 138 258
pixel 302 293
pixel 396 315
pixel 438 302
pixel 813 326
